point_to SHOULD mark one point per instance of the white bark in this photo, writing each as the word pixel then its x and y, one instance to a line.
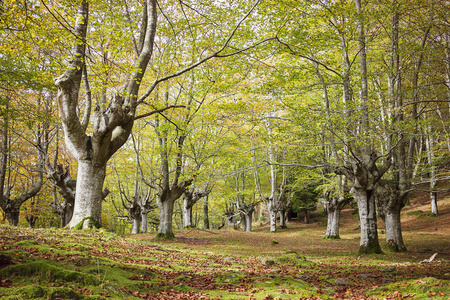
pixel 434 207
pixel 248 221
pixel 135 226
pixel 390 201
pixel 165 218
pixel 393 229
pixel 144 221
pixel 368 221
pixel 334 216
pixel 187 213
pixel 89 194
pixel 272 218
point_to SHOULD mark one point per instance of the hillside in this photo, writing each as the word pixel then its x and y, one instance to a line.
pixel 295 263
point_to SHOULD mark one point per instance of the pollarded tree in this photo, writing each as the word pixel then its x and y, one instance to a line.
pixel 111 125
pixel 13 191
pixel 190 197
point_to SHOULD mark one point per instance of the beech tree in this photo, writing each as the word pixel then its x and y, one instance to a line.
pixel 13 191
pixel 111 125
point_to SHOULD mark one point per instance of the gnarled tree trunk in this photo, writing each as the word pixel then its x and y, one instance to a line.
pixel 369 242
pixel 334 206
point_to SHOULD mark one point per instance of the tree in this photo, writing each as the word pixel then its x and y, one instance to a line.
pixel 12 193
pixel 111 126
pixel 190 198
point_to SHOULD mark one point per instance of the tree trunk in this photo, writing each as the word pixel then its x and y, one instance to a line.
pixel 272 217
pixel 306 217
pixel 390 201
pixel 334 216
pixel 144 221
pixel 434 206
pixel 187 213
pixel 368 221
pixel 165 218
pixel 135 226
pixel 12 215
pixel 89 195
pixel 282 214
pixel 248 221
pixel 393 229
pixel 205 213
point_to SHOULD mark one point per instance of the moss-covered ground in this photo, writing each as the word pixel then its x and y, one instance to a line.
pixel 227 264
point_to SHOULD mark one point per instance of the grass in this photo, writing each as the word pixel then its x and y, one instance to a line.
pixel 228 264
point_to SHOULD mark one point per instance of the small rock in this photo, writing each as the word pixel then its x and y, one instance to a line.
pixel 304 277
pixel 365 276
pixel 276 271
pixel 388 269
pixel 228 258
pixel 341 281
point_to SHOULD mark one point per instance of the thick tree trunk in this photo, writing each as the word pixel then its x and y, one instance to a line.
pixel 165 218
pixel 135 226
pixel 282 214
pixel 205 213
pixel 393 229
pixel 368 221
pixel 434 206
pixel 390 201
pixel 187 213
pixel 12 216
pixel 89 195
pixel 67 214
pixel 248 221
pixel 334 216
pixel 272 217
pixel 144 221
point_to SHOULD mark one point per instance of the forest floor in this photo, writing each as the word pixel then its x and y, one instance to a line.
pixel 293 263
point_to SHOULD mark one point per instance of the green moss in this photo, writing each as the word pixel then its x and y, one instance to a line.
pixel 293 257
pixel 32 291
pixel 332 237
pixel 27 243
pixel 373 248
pixel 418 213
pixel 424 288
pixel 92 223
pixel 49 273
pixel 165 236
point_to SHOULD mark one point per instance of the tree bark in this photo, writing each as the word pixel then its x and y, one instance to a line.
pixel 187 213
pixel 434 206
pixel 248 221
pixel 282 214
pixel 165 206
pixel 144 220
pixel 390 200
pixel 135 226
pixel 89 194
pixel 334 207
pixel 368 221
pixel 205 213
pixel 272 216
